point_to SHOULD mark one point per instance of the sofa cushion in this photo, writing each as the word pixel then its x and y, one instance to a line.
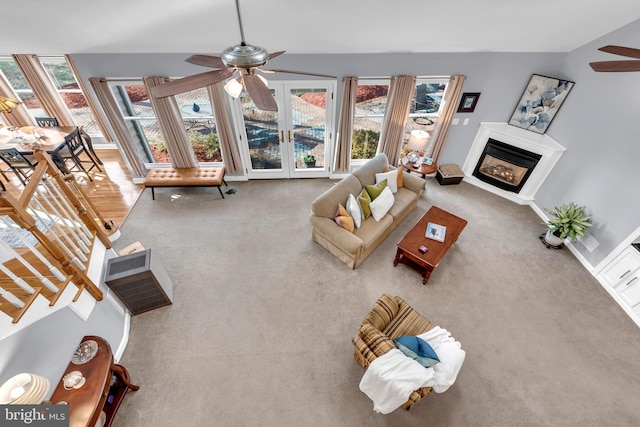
pixel 381 205
pixel 400 176
pixel 402 199
pixel 343 219
pixel 364 199
pixel 375 190
pixel 325 204
pixel 353 208
pixel 367 172
pixel 371 230
pixel 391 177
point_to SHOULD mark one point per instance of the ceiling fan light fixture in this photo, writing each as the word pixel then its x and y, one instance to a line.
pixel 233 87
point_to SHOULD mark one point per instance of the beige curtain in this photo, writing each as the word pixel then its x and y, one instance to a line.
pixel 114 116
pixel 43 89
pixel 342 161
pixel 95 111
pixel 171 126
pixel 224 126
pixel 19 116
pixel 395 116
pixel 439 135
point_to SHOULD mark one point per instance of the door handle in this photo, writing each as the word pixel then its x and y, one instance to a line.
pixel 289 133
pixel 281 136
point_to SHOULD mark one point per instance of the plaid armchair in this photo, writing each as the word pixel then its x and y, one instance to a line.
pixel 391 317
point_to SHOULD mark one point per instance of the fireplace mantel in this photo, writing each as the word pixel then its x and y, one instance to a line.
pixel 547 147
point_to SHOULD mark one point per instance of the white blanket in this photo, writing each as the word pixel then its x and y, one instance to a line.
pixel 390 379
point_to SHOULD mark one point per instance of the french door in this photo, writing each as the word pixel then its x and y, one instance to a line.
pixel 276 144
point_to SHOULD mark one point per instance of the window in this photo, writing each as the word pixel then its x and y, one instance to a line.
pixel 67 87
pixel 197 115
pixel 371 102
pixel 141 121
pixel 426 106
pixel 20 86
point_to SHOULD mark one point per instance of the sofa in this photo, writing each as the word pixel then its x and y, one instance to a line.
pixel 353 247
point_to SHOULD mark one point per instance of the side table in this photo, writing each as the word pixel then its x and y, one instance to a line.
pixel 424 169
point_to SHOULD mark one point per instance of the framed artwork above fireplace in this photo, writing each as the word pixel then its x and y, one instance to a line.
pixel 540 102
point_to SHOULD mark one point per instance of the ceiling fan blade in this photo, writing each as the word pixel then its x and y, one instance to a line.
pixel 621 50
pixel 259 93
pixel 186 84
pixel 206 61
pixel 298 72
pixel 616 66
pixel 273 55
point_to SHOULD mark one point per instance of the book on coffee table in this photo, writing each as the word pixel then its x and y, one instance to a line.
pixel 435 232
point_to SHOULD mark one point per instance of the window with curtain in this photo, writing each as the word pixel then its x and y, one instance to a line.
pixel 199 119
pixel 67 86
pixel 141 120
pixel 425 107
pixel 20 86
pixel 197 113
pixel 371 102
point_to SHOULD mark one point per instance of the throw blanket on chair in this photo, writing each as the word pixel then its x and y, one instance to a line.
pixel 390 379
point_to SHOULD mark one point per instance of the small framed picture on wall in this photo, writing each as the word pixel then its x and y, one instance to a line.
pixel 468 102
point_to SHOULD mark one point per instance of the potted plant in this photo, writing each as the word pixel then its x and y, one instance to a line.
pixel 309 160
pixel 569 221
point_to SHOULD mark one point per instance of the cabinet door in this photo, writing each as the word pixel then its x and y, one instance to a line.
pixel 630 291
pixel 622 267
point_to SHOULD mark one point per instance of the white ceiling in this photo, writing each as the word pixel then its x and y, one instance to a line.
pixel 308 26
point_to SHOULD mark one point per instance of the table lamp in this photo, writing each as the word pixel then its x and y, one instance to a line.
pixel 24 389
pixel 418 143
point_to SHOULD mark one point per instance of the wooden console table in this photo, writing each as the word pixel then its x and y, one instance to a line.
pixel 106 384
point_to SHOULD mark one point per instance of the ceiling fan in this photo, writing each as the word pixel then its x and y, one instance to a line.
pixel 239 62
pixel 618 66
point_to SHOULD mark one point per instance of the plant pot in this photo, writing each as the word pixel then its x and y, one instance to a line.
pixel 310 164
pixel 552 239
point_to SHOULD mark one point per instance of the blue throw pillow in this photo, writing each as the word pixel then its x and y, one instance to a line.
pixel 417 349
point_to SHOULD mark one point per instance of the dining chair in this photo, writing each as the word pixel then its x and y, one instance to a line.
pixel 71 150
pixel 47 121
pixel 86 139
pixel 18 163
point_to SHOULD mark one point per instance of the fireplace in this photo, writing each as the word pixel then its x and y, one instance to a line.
pixel 515 172
pixel 505 166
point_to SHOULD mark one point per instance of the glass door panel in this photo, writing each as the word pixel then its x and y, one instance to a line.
pixel 263 139
pixel 308 123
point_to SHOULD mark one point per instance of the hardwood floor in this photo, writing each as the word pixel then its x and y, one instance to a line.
pixel 112 191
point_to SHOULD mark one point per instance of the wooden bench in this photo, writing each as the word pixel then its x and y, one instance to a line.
pixel 184 177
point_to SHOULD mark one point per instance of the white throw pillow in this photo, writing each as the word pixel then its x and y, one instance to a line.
pixel 353 207
pixel 392 179
pixel 381 205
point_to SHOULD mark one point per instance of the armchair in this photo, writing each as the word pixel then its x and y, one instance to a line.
pixel 391 317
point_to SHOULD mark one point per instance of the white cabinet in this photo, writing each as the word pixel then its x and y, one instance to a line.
pixel 622 276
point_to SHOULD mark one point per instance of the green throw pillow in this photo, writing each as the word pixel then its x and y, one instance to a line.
pixel 375 190
pixel 365 201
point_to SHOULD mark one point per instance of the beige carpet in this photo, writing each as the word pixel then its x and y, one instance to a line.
pixel 260 330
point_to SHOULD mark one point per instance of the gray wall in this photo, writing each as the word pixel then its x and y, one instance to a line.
pixel 45 347
pixel 594 124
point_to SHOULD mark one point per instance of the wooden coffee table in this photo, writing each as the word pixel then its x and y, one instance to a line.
pixel 424 263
